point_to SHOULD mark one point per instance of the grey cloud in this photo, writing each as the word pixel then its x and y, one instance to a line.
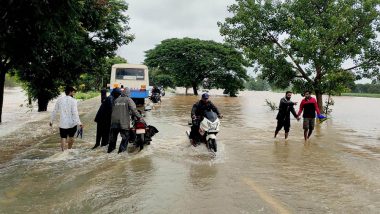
pixel 154 21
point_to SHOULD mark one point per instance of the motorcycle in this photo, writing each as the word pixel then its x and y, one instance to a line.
pixel 208 129
pixel 140 133
pixel 155 97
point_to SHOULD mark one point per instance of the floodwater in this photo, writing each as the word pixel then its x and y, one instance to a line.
pixel 336 171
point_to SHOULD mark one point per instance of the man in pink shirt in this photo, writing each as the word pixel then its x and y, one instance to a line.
pixel 309 106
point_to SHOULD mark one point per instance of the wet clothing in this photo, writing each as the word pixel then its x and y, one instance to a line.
pixel 308 123
pixel 103 95
pixel 156 90
pixel 120 117
pixel 66 106
pixel 283 116
pixel 309 107
pixel 120 122
pixel 113 138
pixel 64 133
pixel 199 110
pixel 103 120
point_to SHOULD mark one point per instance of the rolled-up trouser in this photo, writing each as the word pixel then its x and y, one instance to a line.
pixel 113 138
pixel 283 123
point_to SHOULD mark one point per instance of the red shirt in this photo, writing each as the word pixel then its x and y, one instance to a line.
pixel 309 107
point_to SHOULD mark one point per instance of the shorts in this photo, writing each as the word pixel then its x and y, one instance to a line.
pixel 283 123
pixel 67 132
pixel 308 123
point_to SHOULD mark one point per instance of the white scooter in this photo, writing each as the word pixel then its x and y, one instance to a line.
pixel 208 129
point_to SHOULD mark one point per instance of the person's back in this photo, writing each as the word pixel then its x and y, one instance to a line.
pixel 66 106
pixel 120 122
pixel 120 113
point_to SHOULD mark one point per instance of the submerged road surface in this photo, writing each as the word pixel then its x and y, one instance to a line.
pixel 336 171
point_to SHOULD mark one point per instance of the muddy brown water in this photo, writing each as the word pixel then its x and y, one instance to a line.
pixel 336 171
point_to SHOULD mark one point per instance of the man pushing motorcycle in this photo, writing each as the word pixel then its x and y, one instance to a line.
pixel 197 112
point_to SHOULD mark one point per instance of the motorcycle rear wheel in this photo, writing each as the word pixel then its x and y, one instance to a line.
pixel 140 141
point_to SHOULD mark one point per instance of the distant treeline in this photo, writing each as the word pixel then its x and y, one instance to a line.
pixel 257 84
pixel 260 84
pixel 366 88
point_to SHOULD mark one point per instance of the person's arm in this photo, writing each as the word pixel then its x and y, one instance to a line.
pixel 54 113
pixel 316 107
pixel 293 111
pixel 100 112
pixel 132 108
pixel 74 110
pixel 194 110
pixel 301 108
pixel 214 108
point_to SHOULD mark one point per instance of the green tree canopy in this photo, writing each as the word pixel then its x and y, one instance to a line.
pixel 191 61
pixel 307 43
pixel 50 43
pixel 99 75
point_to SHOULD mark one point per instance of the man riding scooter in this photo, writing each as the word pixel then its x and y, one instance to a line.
pixel 197 112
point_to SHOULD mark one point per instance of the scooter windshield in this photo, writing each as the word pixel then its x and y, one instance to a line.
pixel 211 116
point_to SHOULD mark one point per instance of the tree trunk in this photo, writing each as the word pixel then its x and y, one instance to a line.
pixel 319 100
pixel 43 102
pixel 186 90
pixel 195 90
pixel 2 82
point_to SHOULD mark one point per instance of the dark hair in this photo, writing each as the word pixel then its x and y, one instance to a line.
pixel 307 91
pixel 288 92
pixel 69 89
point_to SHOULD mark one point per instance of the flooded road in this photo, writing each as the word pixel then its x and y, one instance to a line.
pixel 336 171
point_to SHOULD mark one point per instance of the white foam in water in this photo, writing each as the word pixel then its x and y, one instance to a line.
pixel 68 154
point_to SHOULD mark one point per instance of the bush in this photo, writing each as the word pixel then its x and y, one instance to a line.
pixel 11 81
pixel 86 95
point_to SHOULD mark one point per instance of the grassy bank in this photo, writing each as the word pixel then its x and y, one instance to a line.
pixel 86 95
pixel 361 95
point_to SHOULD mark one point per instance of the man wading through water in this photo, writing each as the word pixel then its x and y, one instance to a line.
pixel 66 106
pixel 309 106
pixel 283 116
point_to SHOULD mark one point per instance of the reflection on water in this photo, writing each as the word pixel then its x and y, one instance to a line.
pixel 337 171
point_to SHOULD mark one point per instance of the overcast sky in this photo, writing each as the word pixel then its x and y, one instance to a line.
pixel 152 21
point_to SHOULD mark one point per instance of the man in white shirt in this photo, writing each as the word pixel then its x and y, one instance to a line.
pixel 66 106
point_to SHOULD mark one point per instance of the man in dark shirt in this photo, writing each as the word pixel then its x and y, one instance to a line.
pixel 309 106
pixel 197 112
pixel 283 116
pixel 103 119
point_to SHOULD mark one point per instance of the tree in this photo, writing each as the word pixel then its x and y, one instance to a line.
pixel 257 84
pixel 190 61
pixel 50 43
pixel 99 75
pixel 157 77
pixel 306 43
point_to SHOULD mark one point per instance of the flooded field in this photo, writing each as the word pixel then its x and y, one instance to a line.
pixel 336 171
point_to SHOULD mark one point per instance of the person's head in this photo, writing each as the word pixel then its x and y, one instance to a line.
pixel 116 92
pixel 70 91
pixel 307 94
pixel 155 86
pixel 205 97
pixel 126 92
pixel 288 95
